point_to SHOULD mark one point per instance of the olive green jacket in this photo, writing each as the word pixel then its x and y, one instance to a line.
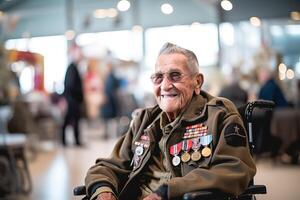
pixel 229 168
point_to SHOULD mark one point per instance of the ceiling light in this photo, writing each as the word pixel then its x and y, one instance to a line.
pixel 255 21
pixel 166 8
pixel 123 5
pixel 282 68
pixel 290 74
pixel 103 13
pixel 137 28
pixel 111 12
pixel 281 76
pixel 226 5
pixel 100 13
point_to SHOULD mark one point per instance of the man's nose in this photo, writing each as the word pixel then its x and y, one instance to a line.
pixel 166 83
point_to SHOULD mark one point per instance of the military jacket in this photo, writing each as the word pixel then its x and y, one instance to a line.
pixel 227 165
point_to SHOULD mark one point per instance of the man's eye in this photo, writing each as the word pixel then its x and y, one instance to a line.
pixel 157 78
pixel 175 76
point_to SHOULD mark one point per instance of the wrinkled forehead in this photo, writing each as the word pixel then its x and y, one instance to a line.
pixel 173 61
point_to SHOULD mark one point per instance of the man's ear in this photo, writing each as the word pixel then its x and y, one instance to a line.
pixel 199 82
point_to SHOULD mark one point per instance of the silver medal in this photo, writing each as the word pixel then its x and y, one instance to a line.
pixel 139 150
pixel 176 160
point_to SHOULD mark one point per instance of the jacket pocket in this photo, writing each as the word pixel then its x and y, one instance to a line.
pixel 191 165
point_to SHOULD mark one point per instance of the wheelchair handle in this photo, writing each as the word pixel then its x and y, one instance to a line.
pixel 79 190
pixel 264 104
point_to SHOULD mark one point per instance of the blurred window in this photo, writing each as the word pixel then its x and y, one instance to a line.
pixel 54 50
pixel 200 38
pixel 126 45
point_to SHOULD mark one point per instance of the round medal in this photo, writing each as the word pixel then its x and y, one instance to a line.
pixel 139 150
pixel 185 157
pixel 176 160
pixel 206 152
pixel 196 155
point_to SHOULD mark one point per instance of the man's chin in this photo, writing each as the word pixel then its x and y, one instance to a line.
pixel 168 109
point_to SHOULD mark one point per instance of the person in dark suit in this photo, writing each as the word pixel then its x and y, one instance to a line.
pixel 73 94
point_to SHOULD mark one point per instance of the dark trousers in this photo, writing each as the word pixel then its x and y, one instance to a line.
pixel 72 118
pixel 293 150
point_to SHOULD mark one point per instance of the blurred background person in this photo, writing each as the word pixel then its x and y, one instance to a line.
pixel 269 89
pixel 109 109
pixel 233 89
pixel 93 89
pixel 266 61
pixel 73 94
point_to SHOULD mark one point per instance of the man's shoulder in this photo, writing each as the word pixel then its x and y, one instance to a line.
pixel 150 111
pixel 220 102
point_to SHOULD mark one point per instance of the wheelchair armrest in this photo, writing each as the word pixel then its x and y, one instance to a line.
pixel 79 190
pixel 255 189
pixel 216 194
pixel 205 195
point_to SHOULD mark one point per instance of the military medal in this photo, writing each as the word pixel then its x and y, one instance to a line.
pixel 174 151
pixel 176 160
pixel 196 155
pixel 205 141
pixel 185 157
pixel 186 146
pixel 206 152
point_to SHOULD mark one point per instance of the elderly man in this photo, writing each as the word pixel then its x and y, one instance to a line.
pixel 189 141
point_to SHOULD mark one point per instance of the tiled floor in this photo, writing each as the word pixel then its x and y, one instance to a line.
pixel 56 170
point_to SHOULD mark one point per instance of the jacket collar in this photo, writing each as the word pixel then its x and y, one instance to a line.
pixel 198 106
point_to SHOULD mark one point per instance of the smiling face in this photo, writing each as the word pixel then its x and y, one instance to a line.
pixel 173 96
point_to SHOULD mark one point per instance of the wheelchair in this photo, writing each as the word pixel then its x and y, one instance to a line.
pixel 252 190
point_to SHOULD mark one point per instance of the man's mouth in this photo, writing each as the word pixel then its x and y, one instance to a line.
pixel 169 95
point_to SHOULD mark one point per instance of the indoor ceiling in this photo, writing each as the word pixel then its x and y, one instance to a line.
pixel 41 17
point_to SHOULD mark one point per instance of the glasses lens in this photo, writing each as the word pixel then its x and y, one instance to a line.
pixel 175 76
pixel 157 78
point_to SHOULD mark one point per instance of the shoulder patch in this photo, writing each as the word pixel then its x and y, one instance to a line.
pixel 235 135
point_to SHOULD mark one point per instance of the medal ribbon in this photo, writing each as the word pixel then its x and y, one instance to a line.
pixel 206 140
pixel 196 143
pixel 186 145
pixel 195 131
pixel 175 149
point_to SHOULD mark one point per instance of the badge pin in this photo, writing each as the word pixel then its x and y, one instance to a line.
pixel 139 150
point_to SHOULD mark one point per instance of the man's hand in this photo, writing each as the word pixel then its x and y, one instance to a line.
pixel 106 196
pixel 153 196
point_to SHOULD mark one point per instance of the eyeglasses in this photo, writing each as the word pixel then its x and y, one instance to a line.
pixel 173 76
